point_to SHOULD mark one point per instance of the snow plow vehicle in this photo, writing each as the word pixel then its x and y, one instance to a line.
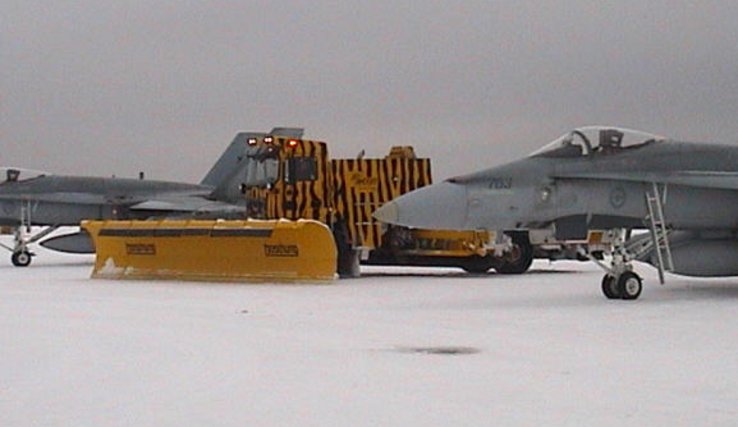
pixel 294 178
pixel 283 177
pixel 289 180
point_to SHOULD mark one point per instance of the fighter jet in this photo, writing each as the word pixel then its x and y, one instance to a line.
pixel 684 194
pixel 35 198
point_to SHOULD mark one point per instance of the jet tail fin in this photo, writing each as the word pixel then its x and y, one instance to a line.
pixel 223 172
pixel 229 160
pixel 288 132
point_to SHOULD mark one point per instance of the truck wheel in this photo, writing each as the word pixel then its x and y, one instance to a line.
pixel 348 256
pixel 478 264
pixel 349 263
pixel 519 261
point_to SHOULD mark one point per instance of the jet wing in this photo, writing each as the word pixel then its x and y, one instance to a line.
pixel 59 197
pixel 185 204
pixel 702 179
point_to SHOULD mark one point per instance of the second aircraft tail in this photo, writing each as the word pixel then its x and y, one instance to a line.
pixel 224 175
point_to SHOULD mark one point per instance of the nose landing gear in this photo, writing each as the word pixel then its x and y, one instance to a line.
pixel 21 258
pixel 620 281
pixel 627 286
pixel 21 255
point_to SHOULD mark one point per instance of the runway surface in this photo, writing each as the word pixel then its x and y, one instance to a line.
pixel 399 346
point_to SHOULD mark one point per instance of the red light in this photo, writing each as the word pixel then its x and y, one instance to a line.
pixel 292 143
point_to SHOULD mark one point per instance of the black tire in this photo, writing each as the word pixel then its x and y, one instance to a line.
pixel 478 264
pixel 609 287
pixel 348 257
pixel 630 286
pixel 521 259
pixel 21 259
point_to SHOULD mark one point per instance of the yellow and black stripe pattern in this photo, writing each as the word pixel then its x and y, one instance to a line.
pixel 303 196
pixel 310 186
pixel 363 185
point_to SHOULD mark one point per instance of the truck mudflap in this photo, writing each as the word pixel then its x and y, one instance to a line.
pixel 214 250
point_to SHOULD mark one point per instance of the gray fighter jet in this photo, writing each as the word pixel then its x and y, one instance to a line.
pixel 684 194
pixel 34 198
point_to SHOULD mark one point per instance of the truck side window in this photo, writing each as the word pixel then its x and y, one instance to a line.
pixel 301 169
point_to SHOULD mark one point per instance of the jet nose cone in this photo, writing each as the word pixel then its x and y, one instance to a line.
pixel 388 213
pixel 438 206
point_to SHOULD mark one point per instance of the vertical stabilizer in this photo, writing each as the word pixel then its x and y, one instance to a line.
pixel 229 171
pixel 288 132
pixel 229 161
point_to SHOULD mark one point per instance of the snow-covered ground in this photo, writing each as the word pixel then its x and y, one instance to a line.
pixel 545 348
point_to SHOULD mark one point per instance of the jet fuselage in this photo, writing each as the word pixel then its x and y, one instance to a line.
pixel 594 190
pixel 66 200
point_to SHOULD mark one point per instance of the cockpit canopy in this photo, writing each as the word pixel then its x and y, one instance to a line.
pixel 591 140
pixel 18 174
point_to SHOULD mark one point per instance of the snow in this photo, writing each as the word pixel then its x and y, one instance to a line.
pixel 545 348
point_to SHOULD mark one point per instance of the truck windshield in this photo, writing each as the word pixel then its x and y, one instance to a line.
pixel 261 172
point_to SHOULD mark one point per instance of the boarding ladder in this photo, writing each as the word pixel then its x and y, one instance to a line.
pixel 659 233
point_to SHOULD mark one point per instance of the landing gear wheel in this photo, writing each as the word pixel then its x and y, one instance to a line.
pixel 21 259
pixel 609 287
pixel 521 257
pixel 629 285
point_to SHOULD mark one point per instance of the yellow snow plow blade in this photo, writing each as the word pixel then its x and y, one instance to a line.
pixel 217 250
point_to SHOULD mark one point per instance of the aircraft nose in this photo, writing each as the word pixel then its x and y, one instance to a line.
pixel 388 213
pixel 438 206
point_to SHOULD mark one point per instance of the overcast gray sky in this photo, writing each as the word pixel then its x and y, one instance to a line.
pixel 112 87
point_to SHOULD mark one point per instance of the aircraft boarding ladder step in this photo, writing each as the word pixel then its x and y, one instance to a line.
pixel 659 232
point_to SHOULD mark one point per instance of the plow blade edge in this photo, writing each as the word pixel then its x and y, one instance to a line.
pixel 241 251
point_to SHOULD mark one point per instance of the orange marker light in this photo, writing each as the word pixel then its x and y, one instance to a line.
pixel 292 143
